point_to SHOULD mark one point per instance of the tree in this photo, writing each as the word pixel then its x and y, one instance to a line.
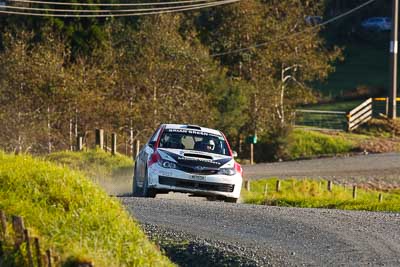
pixel 288 55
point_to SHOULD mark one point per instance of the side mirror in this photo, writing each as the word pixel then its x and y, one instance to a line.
pixel 152 144
pixel 234 154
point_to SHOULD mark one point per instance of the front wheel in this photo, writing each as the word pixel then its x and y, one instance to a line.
pixel 148 192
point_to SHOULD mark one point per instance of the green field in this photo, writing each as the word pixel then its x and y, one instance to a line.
pixel 72 215
pixel 314 194
pixel 364 65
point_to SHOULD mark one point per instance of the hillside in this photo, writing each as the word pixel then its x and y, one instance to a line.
pixel 73 215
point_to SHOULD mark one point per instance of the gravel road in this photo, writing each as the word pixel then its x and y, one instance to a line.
pixel 378 169
pixel 262 235
pixel 200 233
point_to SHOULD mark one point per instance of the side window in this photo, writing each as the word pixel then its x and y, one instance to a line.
pixel 154 137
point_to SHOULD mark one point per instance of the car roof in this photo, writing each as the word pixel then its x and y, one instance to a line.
pixel 378 18
pixel 193 127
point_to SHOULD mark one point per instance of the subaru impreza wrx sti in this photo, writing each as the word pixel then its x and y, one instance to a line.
pixel 188 159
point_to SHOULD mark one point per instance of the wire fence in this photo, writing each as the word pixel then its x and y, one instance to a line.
pixel 321 119
pixel 344 120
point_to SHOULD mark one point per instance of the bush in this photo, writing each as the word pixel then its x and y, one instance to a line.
pixel 273 146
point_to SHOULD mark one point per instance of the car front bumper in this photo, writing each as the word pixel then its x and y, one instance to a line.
pixel 206 185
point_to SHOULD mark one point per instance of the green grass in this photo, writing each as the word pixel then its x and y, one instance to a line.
pixel 73 215
pixel 94 163
pixel 364 65
pixel 305 143
pixel 314 194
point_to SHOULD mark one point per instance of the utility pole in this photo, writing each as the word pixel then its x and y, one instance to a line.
pixel 393 53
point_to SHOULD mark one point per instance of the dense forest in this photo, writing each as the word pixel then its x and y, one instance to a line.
pixel 62 78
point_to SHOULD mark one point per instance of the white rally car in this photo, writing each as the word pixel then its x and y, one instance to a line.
pixel 189 159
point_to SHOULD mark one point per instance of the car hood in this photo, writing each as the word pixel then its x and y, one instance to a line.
pixel 193 158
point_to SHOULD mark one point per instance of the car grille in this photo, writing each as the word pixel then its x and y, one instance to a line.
pixel 194 171
pixel 196 184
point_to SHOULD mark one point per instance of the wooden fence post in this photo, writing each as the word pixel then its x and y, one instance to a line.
pixel 330 186
pixel 100 138
pixel 113 143
pixel 79 143
pixel 36 244
pixel 3 231
pixel 265 190
pixel 3 220
pixel 105 142
pixel 49 258
pixel 354 192
pixel 380 197
pixel 28 247
pixel 247 185
pixel 126 146
pixel 19 227
pixel 278 186
pixel 251 154
pixel 137 147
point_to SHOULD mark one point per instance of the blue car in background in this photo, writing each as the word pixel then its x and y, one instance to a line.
pixel 377 24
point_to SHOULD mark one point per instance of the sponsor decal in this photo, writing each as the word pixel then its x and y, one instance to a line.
pixel 216 163
pixel 185 131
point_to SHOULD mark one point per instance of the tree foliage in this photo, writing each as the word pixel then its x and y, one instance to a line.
pixel 64 77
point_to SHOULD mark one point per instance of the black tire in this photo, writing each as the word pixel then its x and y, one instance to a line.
pixel 231 200
pixel 136 192
pixel 146 191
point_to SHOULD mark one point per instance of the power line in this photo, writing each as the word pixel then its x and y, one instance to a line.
pixel 297 33
pixel 156 11
pixel 110 10
pixel 108 4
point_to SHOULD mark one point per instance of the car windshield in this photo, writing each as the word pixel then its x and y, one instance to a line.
pixel 194 140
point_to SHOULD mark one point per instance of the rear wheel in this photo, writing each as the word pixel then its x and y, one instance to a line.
pixel 231 200
pixel 136 192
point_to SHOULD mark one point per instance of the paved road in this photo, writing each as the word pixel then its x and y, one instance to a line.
pixel 378 169
pixel 279 236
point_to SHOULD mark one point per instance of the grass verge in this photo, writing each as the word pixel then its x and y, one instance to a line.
pixel 73 215
pixel 305 144
pixel 314 194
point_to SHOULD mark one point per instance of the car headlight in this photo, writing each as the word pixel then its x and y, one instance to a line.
pixel 168 164
pixel 227 171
